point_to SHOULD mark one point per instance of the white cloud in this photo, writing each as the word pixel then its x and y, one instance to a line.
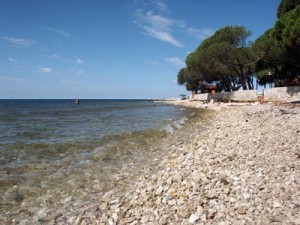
pixel 45 70
pixel 66 60
pixel 152 62
pixel 157 26
pixel 62 59
pixel 151 20
pixel 13 60
pixel 163 36
pixel 56 56
pixel 79 61
pixel 175 61
pixel 10 78
pixel 58 31
pixel 18 42
pixel 161 5
pixel 201 34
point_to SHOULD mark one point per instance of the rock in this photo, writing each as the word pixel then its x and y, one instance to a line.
pixel 211 214
pixel 172 202
pixel 236 172
pixel 104 219
pixel 150 188
pixel 163 220
pixel 241 210
pixel 193 218
pixel 226 190
pixel 259 208
pixel 276 204
pixel 158 201
pixel 276 219
pixel 110 221
pixel 104 206
pixel 203 218
pixel 159 190
pixel 114 201
pixel 224 181
pixel 115 217
pixel 200 210
pixel 246 196
pixel 145 219
pixel 222 223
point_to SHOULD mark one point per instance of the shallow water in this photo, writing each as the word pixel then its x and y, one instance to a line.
pixel 56 156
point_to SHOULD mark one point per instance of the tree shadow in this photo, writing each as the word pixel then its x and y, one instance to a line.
pixel 293 90
pixel 234 96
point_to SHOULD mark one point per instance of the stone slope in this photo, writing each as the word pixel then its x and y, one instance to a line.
pixel 244 169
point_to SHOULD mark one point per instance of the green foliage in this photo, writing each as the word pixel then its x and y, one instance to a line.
pixel 285 6
pixel 230 61
pixel 281 48
pixel 222 58
pixel 189 78
pixel 182 76
pixel 287 34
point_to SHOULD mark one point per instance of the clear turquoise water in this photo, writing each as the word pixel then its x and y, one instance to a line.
pixel 54 151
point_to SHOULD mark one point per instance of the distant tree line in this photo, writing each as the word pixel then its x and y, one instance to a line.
pixel 230 61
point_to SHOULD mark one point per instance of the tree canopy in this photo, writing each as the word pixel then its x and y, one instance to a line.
pixel 230 61
pixel 285 6
pixel 188 78
pixel 225 58
pixel 281 47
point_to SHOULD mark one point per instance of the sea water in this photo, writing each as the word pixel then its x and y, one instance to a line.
pixel 55 155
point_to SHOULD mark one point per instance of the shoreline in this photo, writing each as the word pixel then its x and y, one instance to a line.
pixel 242 169
pixel 203 105
pixel 69 178
pixel 230 163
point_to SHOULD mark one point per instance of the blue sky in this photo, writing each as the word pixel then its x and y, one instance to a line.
pixel 111 48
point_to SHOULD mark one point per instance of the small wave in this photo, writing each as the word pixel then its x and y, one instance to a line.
pixel 79 152
pixel 168 128
pixel 183 120
pixel 177 125
pixel 174 125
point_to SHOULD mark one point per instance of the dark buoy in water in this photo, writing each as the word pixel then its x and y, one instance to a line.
pixel 77 102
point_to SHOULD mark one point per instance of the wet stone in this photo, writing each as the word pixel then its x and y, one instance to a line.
pixel 222 170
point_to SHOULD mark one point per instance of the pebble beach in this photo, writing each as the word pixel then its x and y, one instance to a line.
pixel 235 164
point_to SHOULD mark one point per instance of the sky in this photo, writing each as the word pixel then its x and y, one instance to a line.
pixel 111 49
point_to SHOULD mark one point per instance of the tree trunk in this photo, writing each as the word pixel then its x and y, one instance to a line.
pixel 242 76
pixel 250 82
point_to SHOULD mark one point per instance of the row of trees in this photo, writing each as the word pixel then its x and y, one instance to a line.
pixel 230 61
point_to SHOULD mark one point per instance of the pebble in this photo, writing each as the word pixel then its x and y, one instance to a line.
pixel 276 204
pixel 241 211
pixel 193 218
pixel 159 190
pixel 235 168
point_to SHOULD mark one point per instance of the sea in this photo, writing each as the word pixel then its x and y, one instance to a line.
pixel 56 156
